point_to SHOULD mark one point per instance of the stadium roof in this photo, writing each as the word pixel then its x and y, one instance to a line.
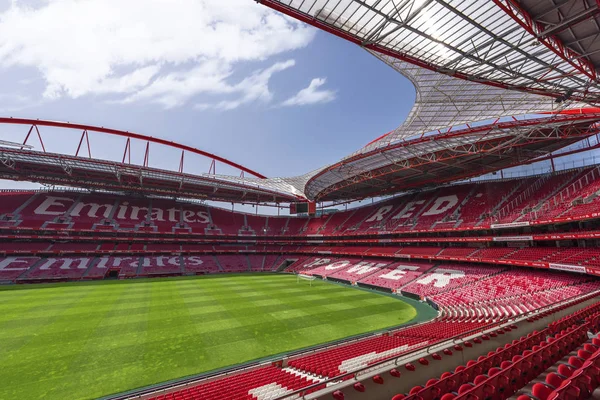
pixel 418 162
pixel 93 173
pixel 449 156
pixel 568 26
pixel 470 61
pixel 474 64
pixel 503 43
pixel 21 162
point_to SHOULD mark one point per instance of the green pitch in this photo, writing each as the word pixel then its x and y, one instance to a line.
pixel 85 340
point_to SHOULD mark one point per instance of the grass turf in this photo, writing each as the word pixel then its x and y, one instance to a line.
pixel 85 340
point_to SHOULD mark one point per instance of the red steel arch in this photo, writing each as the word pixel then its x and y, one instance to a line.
pixel 130 135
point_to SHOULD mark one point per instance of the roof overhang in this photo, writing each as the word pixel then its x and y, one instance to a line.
pixel 92 173
pixel 569 28
pixel 471 62
pixel 449 156
pixel 486 41
pixel 19 161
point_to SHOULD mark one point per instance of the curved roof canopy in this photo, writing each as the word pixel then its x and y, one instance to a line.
pixel 496 42
pixel 470 62
pixel 93 173
pixel 22 162
pixel 449 156
pixel 408 164
pixel 473 64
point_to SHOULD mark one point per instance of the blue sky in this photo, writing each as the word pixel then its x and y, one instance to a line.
pixel 230 77
pixel 326 98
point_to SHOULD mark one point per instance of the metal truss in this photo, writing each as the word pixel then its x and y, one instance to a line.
pixel 449 156
pixel 471 62
pixel 35 125
pixel 20 162
pixel 569 28
pixel 445 156
pixel 443 101
pixel 58 169
pixel 478 41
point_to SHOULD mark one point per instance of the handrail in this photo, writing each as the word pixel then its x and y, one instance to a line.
pixel 573 187
pixel 391 257
pixel 517 201
pixel 83 234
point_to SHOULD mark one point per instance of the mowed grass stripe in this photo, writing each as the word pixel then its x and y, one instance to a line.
pixel 200 303
pixel 24 365
pixel 213 313
pixel 223 333
pixel 176 320
pixel 86 340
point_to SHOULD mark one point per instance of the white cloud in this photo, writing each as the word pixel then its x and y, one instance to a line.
pixel 175 88
pixel 311 94
pixel 155 50
pixel 128 82
pixel 253 88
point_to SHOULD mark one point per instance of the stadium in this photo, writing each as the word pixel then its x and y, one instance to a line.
pixel 420 267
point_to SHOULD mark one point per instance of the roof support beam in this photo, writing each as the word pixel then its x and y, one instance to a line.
pixel 522 17
pixel 567 23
